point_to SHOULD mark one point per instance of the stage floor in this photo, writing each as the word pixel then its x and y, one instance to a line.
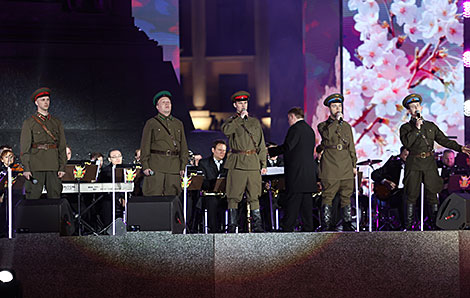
pixel 155 264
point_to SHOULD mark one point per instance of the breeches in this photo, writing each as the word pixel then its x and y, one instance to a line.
pixel 239 181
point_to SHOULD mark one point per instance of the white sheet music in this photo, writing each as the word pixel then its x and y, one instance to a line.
pixel 275 171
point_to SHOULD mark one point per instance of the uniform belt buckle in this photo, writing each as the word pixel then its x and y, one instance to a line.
pixel 339 147
pixel 168 152
pixel 423 155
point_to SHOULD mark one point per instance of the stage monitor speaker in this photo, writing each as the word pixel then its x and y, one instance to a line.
pixel 44 216
pixel 454 213
pixel 159 213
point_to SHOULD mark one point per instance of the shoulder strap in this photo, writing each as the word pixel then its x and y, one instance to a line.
pixel 45 128
pixel 251 137
pixel 167 130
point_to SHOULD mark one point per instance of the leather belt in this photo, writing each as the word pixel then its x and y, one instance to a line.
pixel 339 147
pixel 423 154
pixel 44 146
pixel 166 153
pixel 247 152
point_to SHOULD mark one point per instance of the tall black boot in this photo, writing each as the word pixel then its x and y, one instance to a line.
pixel 327 220
pixel 433 208
pixel 233 223
pixel 257 224
pixel 347 219
pixel 410 216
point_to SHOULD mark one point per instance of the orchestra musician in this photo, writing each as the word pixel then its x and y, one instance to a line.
pixel 338 163
pixel 418 136
pixel 213 167
pixel 387 181
pixel 246 161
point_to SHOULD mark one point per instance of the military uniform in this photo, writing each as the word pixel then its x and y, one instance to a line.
pixel 420 166
pixel 337 163
pixel 43 153
pixel 244 161
pixel 163 150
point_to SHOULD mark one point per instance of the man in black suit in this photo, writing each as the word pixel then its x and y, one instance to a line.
pixel 213 168
pixel 299 170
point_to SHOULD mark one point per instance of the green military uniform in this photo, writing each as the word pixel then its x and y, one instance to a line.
pixel 245 160
pixel 43 155
pixel 163 150
pixel 336 165
pixel 420 166
pixel 337 162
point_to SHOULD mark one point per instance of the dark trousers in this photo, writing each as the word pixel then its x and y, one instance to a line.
pixel 45 178
pixel 216 207
pixel 298 203
pixel 432 185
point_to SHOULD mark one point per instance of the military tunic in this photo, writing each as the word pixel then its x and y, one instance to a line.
pixel 337 162
pixel 43 163
pixel 247 157
pixel 163 150
pixel 420 166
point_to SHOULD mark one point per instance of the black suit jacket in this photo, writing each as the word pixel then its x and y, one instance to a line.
pixel 390 170
pixel 209 168
pixel 299 164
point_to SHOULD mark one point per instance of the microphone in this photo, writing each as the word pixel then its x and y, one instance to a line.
pixel 340 120
pixel 33 180
pixel 151 173
pixel 418 114
pixel 246 116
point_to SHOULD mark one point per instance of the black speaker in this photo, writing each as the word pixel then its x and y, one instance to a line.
pixel 159 213
pixel 44 216
pixel 454 213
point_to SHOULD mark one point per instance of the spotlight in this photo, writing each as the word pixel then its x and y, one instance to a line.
pixel 9 286
pixel 466 9
pixel 466 58
pixel 6 276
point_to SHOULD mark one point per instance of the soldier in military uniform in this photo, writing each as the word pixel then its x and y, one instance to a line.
pixel 245 160
pixel 164 151
pixel 418 137
pixel 338 163
pixel 43 149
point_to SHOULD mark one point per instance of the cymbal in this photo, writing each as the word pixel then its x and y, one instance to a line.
pixel 368 162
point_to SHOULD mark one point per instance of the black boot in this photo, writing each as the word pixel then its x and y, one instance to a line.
pixel 347 219
pixel 432 216
pixel 233 223
pixel 327 220
pixel 257 224
pixel 410 216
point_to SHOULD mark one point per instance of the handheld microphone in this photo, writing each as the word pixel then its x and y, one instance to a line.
pixel 246 116
pixel 418 114
pixel 151 173
pixel 340 120
pixel 33 180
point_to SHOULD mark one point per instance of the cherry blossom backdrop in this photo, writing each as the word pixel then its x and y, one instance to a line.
pixel 390 49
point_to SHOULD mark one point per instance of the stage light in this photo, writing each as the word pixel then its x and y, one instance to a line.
pixel 6 276
pixel 466 9
pixel 9 286
pixel 466 58
pixel 466 108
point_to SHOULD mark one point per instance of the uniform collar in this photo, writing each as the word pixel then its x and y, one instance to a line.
pixel 42 117
pixel 163 117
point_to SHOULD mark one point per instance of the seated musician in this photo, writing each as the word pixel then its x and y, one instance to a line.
pixel 105 176
pixel 274 161
pixel 68 152
pixel 387 182
pixel 7 159
pixel 98 159
pixel 213 167
pixel 449 168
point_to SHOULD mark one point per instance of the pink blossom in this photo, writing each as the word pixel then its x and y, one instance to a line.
pixel 403 11
pixel 454 31
pixel 370 52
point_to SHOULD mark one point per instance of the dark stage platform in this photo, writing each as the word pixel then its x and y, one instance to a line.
pixel 152 264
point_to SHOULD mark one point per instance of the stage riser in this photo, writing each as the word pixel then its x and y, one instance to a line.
pixel 152 264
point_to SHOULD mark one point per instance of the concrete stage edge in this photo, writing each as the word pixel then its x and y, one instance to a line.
pixel 153 264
